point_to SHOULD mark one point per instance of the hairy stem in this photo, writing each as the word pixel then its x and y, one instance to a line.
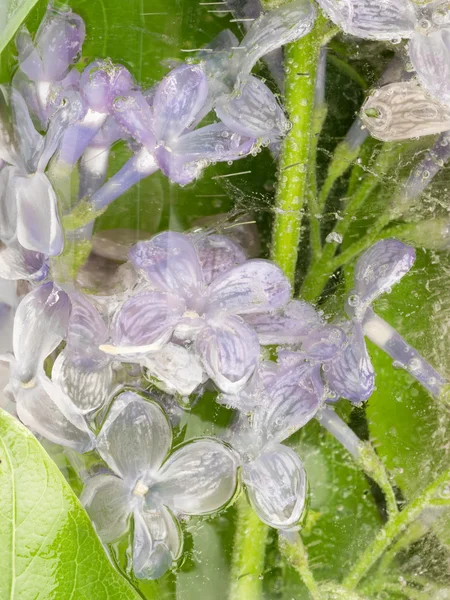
pixel 292 547
pixel 393 528
pixel 294 170
pixel 323 268
pixel 248 555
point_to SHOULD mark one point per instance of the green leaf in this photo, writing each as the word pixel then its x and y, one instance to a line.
pixel 12 14
pixel 48 547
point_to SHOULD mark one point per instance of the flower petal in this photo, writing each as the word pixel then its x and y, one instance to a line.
pixel 46 410
pixel 254 111
pixel 8 205
pixel 18 263
pixel 371 19
pixel 170 262
pixel 88 389
pixel 38 224
pixel 253 287
pixel 378 269
pixel 401 111
pixel 229 350
pixel 351 375
pixel 157 543
pixel 177 369
pixel 324 343
pixel 85 333
pixel 39 326
pixel 295 397
pixel 215 142
pixel 217 255
pixel 430 56
pixel 275 29
pixel 178 99
pixel 145 323
pixel 135 437
pixel 29 141
pixel 198 478
pixel 276 486
pixel 58 42
pixel 287 326
pixel 135 117
pixel 102 82
pixel 108 502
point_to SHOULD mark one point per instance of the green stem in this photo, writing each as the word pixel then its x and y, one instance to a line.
pixel 320 113
pixel 301 59
pixel 414 532
pixel 323 268
pixel 372 465
pixel 393 528
pixel 248 555
pixel 297 556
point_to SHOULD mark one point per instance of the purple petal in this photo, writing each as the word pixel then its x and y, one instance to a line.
pixel 170 262
pixel 78 137
pixel 378 269
pixel 324 343
pixel 58 43
pixel 229 350
pixel 18 263
pixel 351 374
pixel 87 389
pixel 39 326
pixel 197 479
pixel 29 141
pixel 46 410
pixel 254 112
pixel 294 400
pixel 179 169
pixel 86 332
pixel 145 323
pixel 102 81
pixel 217 255
pixel 287 326
pixel 135 117
pixel 275 29
pixel 372 20
pixel 430 56
pixel 253 287
pixel 178 99
pixel 276 486
pixel 135 437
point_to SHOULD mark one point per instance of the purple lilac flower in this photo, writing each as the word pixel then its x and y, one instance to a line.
pixel 182 307
pixel 28 202
pixel 281 400
pixel 45 61
pixel 153 484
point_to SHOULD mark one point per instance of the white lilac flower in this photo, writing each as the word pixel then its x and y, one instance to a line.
pixel 183 307
pixel 28 202
pixel 45 62
pixel 153 484
pixel 281 400
pixel 40 324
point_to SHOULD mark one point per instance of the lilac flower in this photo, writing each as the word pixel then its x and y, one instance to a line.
pixel 183 307
pixel 28 203
pixel 40 324
pixel 153 485
pixel 282 400
pixel 45 62
pixel 378 269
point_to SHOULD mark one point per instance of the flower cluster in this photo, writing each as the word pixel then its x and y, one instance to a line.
pixel 198 313
pixel 102 374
